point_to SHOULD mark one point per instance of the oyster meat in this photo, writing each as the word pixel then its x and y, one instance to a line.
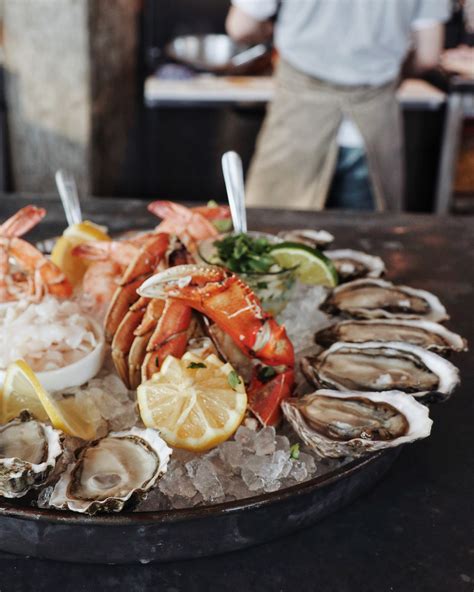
pixel 317 239
pixel 375 299
pixel 427 334
pixel 338 424
pixel 352 265
pixel 111 470
pixel 372 366
pixel 29 451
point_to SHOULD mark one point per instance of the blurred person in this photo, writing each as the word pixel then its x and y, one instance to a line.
pixel 333 133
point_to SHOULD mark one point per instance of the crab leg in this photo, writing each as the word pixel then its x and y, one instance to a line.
pixel 145 262
pixel 229 302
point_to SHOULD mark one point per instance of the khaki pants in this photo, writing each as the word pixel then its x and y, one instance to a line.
pixel 297 148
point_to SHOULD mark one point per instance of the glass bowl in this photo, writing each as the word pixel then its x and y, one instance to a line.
pixel 273 289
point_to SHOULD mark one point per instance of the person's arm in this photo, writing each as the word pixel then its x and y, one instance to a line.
pixel 428 44
pixel 249 21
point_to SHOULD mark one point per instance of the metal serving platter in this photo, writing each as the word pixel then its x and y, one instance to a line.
pixel 142 537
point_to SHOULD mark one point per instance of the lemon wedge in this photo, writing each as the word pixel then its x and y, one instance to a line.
pixel 22 390
pixel 194 402
pixel 20 393
pixel 76 234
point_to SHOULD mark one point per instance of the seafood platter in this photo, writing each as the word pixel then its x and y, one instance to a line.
pixel 163 386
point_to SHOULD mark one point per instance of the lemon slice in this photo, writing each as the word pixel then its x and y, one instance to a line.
pixel 22 390
pixel 313 267
pixel 74 267
pixel 194 402
pixel 20 393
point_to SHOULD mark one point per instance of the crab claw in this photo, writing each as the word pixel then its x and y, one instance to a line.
pixel 265 398
pixel 228 301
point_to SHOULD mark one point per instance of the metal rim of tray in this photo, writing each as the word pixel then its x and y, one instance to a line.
pixel 178 515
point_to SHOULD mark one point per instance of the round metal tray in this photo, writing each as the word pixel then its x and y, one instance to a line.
pixel 132 537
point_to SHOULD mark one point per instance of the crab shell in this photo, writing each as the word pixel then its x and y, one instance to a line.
pixel 110 476
pixel 18 475
pixel 416 416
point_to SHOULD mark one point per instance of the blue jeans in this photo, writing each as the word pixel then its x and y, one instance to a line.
pixel 351 186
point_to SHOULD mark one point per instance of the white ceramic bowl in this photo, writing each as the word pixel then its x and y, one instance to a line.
pixel 77 373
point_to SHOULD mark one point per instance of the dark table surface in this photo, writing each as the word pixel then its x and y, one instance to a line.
pixel 414 532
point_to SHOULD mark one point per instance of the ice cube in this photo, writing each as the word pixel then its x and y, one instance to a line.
pixel 231 453
pixel 246 437
pixel 265 441
pixel 206 481
pixel 282 443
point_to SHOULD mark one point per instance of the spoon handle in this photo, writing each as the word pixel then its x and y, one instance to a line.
pixel 69 196
pixel 234 182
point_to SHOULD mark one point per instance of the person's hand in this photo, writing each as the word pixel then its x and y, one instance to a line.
pixel 459 60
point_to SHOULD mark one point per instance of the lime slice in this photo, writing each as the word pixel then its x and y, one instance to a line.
pixel 313 268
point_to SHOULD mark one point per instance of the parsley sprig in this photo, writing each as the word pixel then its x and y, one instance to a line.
pixel 242 253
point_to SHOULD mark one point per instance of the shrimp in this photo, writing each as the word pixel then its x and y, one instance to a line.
pixel 189 225
pixel 24 270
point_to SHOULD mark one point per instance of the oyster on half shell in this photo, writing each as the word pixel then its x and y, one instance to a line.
pixel 375 366
pixel 374 299
pixel 317 239
pixel 111 470
pixel 427 334
pixel 337 424
pixel 352 265
pixel 29 451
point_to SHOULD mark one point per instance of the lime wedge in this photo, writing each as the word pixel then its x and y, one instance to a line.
pixel 313 268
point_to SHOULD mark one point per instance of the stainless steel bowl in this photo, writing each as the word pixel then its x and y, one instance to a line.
pixel 216 53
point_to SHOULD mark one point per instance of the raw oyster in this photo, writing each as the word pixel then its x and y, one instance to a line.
pixel 373 366
pixel 378 299
pixel 427 334
pixel 111 470
pixel 318 239
pixel 352 265
pixel 29 451
pixel 337 424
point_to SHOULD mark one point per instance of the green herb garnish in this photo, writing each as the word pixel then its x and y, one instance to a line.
pixel 242 253
pixel 194 365
pixel 295 451
pixel 234 379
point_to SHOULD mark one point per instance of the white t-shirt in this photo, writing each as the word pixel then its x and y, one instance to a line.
pixel 348 42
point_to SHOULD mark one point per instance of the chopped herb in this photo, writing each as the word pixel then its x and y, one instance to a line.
pixel 266 373
pixel 234 379
pixel 194 365
pixel 223 225
pixel 262 285
pixel 245 254
pixel 295 451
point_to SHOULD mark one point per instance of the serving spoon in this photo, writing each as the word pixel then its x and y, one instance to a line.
pixel 69 196
pixel 234 184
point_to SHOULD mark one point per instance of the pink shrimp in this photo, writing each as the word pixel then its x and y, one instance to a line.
pixel 189 225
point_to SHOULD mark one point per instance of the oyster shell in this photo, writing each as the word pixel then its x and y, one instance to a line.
pixel 427 334
pixel 318 239
pixel 376 299
pixel 29 451
pixel 337 424
pixel 351 265
pixel 111 470
pixel 372 366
